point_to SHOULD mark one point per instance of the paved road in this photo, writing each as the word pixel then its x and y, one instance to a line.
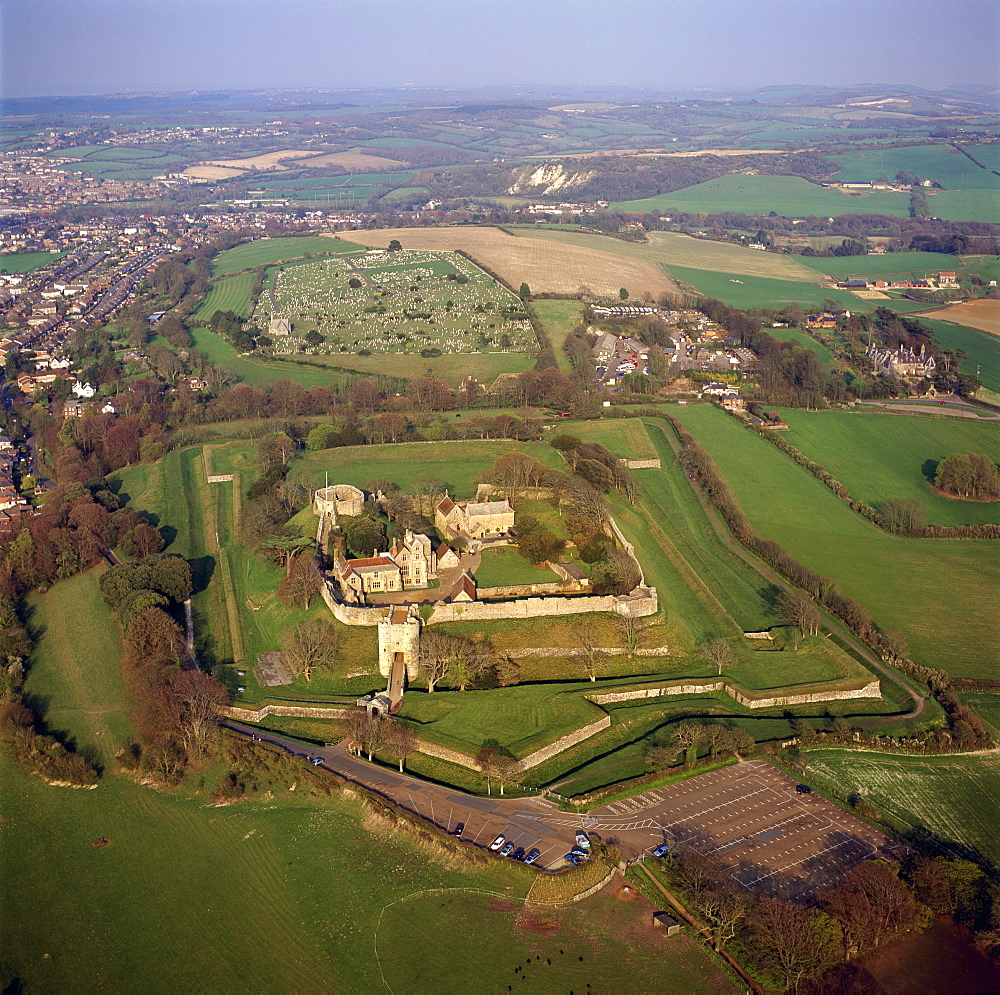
pixel 748 814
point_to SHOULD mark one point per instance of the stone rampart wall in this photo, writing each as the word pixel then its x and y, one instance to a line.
pixel 759 635
pixel 642 464
pixel 219 478
pixel 565 742
pixel 284 711
pixel 541 607
pixel 870 690
pixel 445 753
pixel 351 614
pixel 544 651
pixel 526 590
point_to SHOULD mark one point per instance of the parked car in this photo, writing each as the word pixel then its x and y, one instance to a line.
pixel 573 858
pixel 580 852
pixel 459 829
pixel 507 850
pixel 316 760
pixel 803 789
pixel 582 839
pixel 518 854
pixel 662 850
pixel 498 842
pixel 532 856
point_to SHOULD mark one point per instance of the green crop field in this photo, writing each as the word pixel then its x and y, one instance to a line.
pixel 232 294
pixel 754 291
pixel 896 265
pixel 941 593
pixel 789 196
pixel 982 350
pixel 954 798
pixel 274 250
pixel 27 262
pixel 950 168
pixel 878 456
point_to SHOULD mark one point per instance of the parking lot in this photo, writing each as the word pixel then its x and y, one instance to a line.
pixel 749 815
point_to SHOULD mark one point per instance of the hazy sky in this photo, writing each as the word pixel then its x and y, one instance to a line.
pixel 88 46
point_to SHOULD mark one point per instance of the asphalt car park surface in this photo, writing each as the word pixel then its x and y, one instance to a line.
pixel 748 814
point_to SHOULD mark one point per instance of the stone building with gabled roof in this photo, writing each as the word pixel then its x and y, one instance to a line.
pixel 367 575
pixel 415 559
pixel 474 520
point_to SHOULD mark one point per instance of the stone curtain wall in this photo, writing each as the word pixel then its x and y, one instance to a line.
pixel 526 590
pixel 284 711
pixel 480 611
pixel 642 464
pixel 871 690
pixel 351 614
pixel 565 742
pixel 219 478
pixel 544 651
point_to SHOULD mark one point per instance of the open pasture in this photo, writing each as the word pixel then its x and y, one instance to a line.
pixel 744 291
pixel 891 265
pixel 940 592
pixel 789 196
pixel 982 349
pixel 273 250
pixel 561 269
pixel 953 798
pixel 879 456
pixel 559 318
pixel 452 369
pixel 405 303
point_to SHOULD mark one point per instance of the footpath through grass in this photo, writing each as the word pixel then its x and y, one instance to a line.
pixel 941 593
pixel 879 456
pixel 952 801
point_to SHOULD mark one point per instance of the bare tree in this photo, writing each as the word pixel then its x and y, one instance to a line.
pixel 301 584
pixel 587 636
pixel 436 654
pixel 507 770
pixel 399 741
pixel 659 757
pixel 743 742
pixel 795 607
pixel 485 759
pixel 308 646
pixel 631 630
pixel 787 943
pixel 200 698
pixel 718 652
pixel 688 735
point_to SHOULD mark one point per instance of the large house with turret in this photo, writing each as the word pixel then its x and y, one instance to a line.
pixel 902 362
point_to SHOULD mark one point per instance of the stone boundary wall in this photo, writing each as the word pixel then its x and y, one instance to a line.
pixel 628 547
pixel 526 590
pixel 766 634
pixel 565 742
pixel 284 711
pixel 542 607
pixel 446 753
pixel 544 651
pixel 642 464
pixel 352 614
pixel 870 690
pixel 220 478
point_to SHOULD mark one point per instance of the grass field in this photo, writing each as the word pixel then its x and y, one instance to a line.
pixel 898 265
pixel 257 371
pixel 273 250
pixel 232 294
pixel 502 567
pixel 559 318
pixel 880 456
pixel 954 798
pixel 823 353
pixel 982 350
pixel 754 291
pixel 545 268
pixel 276 888
pixel 27 262
pixel 939 592
pixel 485 367
pixel 627 438
pixel 789 196
pixel 75 680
